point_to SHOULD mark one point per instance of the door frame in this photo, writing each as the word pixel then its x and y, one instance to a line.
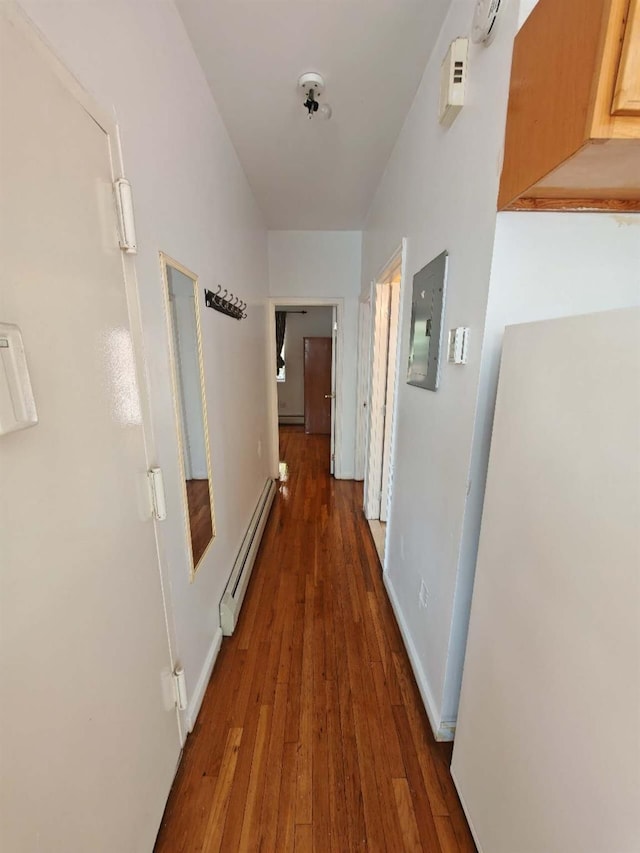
pixel 384 362
pixel 363 380
pixel 21 20
pixel 337 303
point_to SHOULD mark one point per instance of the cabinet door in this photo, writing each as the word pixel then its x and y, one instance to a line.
pixel 626 99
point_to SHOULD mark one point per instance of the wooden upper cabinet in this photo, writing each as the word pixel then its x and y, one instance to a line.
pixel 573 122
pixel 626 99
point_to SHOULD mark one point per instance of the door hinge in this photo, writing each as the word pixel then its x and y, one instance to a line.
pixel 156 485
pixel 180 686
pixel 333 457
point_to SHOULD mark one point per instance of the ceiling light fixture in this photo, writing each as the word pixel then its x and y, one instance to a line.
pixel 312 84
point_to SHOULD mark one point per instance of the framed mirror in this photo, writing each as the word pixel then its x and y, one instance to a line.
pixel 185 345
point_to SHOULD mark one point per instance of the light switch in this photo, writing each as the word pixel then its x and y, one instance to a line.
pixel 17 404
pixel 458 340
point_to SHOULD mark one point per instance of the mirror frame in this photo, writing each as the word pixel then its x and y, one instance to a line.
pixel 167 261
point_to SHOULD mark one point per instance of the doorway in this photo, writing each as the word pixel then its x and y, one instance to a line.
pixel 380 397
pixel 305 371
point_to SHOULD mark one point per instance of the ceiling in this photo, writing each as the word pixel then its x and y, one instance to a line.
pixel 313 174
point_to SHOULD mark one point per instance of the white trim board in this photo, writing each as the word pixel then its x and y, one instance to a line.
pixel 272 391
pixel 195 700
pixel 443 730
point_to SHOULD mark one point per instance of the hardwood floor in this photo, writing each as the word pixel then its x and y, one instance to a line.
pixel 312 734
pixel 198 501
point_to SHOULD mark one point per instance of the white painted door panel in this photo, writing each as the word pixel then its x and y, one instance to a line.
pixel 362 422
pixel 88 742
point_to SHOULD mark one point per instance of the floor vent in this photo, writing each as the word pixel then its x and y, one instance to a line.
pixel 237 586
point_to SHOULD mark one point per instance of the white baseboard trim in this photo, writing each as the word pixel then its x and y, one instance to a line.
pixel 291 419
pixel 443 730
pixel 466 812
pixel 195 701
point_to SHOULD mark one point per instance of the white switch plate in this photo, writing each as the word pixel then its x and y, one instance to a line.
pixel 458 341
pixel 17 403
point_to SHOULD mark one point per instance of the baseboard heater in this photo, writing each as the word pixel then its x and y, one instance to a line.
pixel 237 586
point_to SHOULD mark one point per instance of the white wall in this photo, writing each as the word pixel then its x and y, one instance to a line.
pixel 325 264
pixel 439 190
pixel 193 202
pixel 526 8
pixel 547 754
pixel 315 323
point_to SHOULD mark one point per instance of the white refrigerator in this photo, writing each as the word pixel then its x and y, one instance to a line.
pixel 547 749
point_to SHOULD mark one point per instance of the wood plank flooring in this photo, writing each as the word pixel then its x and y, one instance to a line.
pixel 312 735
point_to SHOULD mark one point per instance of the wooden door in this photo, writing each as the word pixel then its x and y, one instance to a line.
pixel 317 386
pixel 626 101
pixel 89 743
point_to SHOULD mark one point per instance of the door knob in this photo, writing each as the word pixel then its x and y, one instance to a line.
pixel 329 396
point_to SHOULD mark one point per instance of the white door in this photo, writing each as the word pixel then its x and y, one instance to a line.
pixel 364 364
pixel 88 742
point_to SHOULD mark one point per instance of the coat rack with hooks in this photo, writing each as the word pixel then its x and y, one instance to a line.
pixel 226 303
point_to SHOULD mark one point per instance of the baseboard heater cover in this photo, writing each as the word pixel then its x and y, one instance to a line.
pixel 243 565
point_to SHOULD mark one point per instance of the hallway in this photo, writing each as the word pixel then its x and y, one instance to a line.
pixel 312 734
